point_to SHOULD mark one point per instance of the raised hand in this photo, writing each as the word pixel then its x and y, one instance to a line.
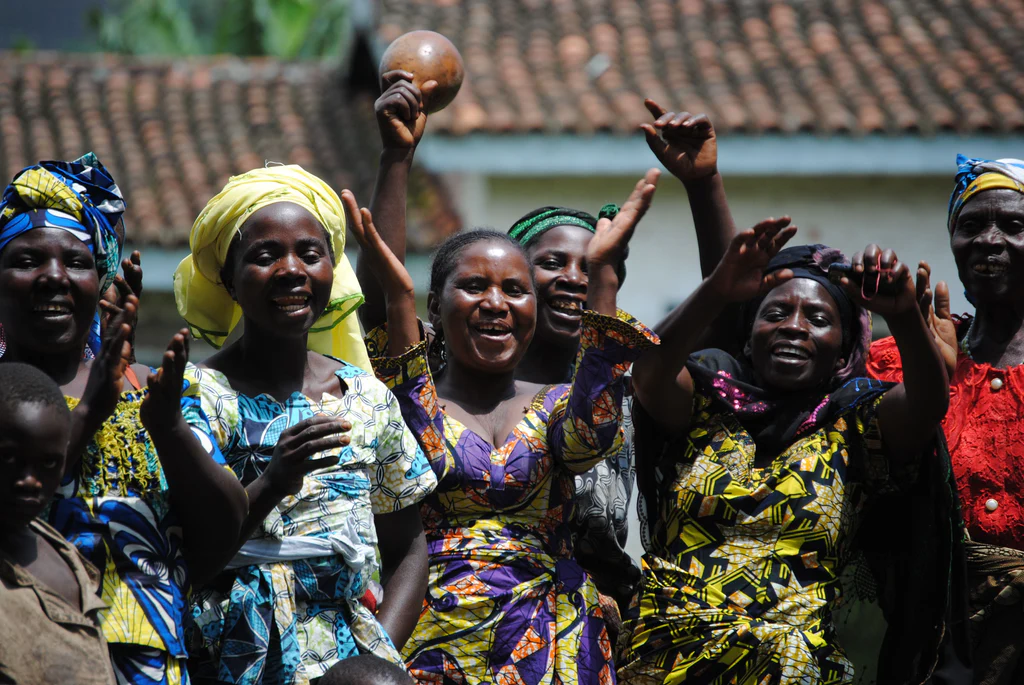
pixel 294 450
pixel 161 408
pixel 685 143
pixel 105 384
pixel 389 271
pixel 740 275
pixel 895 294
pixel 611 237
pixel 400 113
pixel 937 314
pixel 115 296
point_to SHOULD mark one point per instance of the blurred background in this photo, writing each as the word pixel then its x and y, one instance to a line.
pixel 845 114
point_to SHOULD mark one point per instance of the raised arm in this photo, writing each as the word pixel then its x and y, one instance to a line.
pixel 687 146
pixel 584 426
pixel 661 382
pixel 910 412
pixel 401 120
pixel 208 500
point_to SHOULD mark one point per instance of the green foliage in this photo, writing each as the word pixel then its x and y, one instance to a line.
pixel 281 28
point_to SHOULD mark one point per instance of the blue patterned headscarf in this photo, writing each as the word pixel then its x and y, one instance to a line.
pixel 976 175
pixel 79 197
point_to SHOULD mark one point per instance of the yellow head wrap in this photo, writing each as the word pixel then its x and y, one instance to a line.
pixel 204 302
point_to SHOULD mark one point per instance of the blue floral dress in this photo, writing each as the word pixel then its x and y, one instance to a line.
pixel 287 620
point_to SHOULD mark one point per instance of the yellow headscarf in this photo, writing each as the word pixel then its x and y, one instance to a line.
pixel 204 302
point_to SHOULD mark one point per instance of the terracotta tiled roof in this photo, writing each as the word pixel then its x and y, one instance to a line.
pixel 172 132
pixel 825 66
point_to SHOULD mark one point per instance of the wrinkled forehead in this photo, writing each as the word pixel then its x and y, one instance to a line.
pixel 493 258
pixel 994 202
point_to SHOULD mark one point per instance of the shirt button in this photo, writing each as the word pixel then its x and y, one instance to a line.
pixel 991 505
pixel 997 383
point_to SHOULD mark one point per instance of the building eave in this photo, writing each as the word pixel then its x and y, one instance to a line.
pixel 742 155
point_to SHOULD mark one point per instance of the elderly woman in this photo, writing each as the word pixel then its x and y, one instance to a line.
pixel 768 463
pixel 985 425
pixel 317 441
pixel 145 496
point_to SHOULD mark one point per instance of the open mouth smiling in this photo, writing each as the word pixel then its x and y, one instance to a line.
pixel 790 353
pixel 291 304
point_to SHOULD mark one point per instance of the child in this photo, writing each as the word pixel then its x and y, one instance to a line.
pixel 48 592
pixel 365 669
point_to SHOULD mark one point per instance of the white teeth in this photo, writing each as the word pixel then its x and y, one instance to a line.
pixel 291 303
pixel 791 352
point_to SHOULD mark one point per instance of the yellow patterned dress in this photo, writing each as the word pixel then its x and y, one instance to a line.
pixel 742 572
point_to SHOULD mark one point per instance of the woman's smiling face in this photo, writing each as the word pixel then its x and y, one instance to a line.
pixel 487 307
pixel 797 338
pixel 281 270
pixel 559 259
pixel 49 290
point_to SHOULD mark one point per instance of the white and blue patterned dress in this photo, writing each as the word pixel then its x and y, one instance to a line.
pixel 286 622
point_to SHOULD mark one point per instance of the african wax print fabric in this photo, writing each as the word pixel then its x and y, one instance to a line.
pixel 286 623
pixel 742 571
pixel 601 519
pixel 116 510
pixel 79 197
pixel 506 602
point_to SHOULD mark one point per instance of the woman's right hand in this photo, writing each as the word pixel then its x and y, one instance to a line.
pixel 292 458
pixel 390 272
pixel 740 275
pixel 401 116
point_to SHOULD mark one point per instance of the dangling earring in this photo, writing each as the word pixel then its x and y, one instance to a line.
pixel 437 350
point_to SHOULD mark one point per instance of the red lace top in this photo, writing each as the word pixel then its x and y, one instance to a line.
pixel 985 431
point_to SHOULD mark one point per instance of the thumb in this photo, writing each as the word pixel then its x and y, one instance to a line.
pixel 427 88
pixel 942 308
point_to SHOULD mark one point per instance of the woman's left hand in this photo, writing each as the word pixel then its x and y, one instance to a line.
pixel 611 236
pixel 895 295
pixel 161 408
pixel 392 274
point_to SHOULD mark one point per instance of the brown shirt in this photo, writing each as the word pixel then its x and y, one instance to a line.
pixel 43 639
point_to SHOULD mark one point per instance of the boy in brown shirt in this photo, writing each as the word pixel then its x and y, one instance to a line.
pixel 48 592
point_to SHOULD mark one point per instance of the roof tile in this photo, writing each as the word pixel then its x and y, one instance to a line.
pixel 172 132
pixel 843 67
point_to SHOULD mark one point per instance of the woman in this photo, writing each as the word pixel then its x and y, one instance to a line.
pixel 318 443
pixel 145 496
pixel 556 242
pixel 984 425
pixel 772 461
pixel 506 602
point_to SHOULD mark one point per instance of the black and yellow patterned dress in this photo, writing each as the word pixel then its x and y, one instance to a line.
pixel 743 564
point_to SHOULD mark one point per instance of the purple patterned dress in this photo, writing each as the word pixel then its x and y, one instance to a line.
pixel 506 601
